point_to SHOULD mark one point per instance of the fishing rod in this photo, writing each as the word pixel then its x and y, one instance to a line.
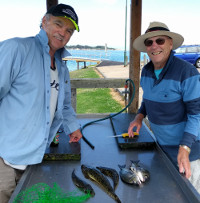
pixel 110 116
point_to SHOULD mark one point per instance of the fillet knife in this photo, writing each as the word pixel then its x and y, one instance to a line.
pixel 125 135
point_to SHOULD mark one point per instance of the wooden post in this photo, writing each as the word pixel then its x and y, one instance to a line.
pixel 134 65
pixel 73 98
pixel 51 3
pixel 77 65
pixel 84 64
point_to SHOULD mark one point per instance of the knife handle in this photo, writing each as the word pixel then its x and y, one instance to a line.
pixel 126 134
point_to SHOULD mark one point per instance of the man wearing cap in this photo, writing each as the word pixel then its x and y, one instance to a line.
pixel 35 95
pixel 171 99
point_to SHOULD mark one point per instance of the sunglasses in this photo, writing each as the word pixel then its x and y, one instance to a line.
pixel 149 42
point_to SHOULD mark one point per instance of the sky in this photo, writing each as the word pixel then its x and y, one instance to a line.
pixel 102 21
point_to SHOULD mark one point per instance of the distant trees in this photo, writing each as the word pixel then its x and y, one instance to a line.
pixel 87 47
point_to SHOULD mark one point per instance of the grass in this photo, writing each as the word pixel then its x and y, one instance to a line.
pixel 94 100
pixel 84 73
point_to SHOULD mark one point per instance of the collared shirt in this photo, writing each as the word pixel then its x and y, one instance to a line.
pixel 25 90
pixel 172 103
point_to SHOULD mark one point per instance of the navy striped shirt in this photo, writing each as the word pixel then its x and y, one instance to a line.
pixel 172 102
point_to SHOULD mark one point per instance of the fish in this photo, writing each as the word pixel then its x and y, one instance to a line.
pixel 135 166
pixel 95 175
pixel 142 173
pixel 82 185
pixel 129 176
pixel 112 173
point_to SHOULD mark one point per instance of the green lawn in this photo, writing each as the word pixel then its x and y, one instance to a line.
pixel 94 100
pixel 84 73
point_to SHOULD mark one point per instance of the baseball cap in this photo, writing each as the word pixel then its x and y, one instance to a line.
pixel 66 11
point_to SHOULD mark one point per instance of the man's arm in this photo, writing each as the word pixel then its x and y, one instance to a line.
pixel 75 136
pixel 191 97
pixel 183 161
pixel 137 122
pixel 70 122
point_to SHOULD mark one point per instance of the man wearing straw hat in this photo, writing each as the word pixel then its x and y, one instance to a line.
pixel 171 99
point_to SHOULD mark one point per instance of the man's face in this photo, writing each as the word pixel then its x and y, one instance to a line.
pixel 159 54
pixel 59 31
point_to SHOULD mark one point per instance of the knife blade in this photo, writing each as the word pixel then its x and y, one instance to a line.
pixel 125 135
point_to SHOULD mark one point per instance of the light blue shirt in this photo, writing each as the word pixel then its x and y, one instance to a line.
pixel 25 129
pixel 157 72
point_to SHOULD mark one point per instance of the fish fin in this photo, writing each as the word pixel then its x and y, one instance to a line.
pixel 135 162
pixel 73 174
pixel 122 166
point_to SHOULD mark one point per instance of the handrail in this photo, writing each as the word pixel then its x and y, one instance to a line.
pixel 93 83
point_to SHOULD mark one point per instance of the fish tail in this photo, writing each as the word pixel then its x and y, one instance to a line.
pixel 115 186
pixel 121 166
pixel 116 198
pixel 73 175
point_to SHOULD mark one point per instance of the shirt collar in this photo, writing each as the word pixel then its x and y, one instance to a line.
pixel 166 67
pixel 150 67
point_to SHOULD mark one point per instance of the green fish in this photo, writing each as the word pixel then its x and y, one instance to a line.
pixel 112 173
pixel 82 185
pixel 101 180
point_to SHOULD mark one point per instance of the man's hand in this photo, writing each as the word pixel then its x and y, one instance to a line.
pixel 75 136
pixel 137 122
pixel 184 162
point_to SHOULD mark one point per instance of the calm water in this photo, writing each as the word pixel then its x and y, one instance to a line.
pixel 112 55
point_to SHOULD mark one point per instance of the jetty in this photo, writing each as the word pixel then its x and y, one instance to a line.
pixel 83 60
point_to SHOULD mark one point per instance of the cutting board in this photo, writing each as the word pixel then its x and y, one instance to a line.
pixel 64 150
pixel 120 124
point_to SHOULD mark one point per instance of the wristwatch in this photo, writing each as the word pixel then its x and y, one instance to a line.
pixel 186 148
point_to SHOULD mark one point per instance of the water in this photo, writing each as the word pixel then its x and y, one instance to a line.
pixel 112 55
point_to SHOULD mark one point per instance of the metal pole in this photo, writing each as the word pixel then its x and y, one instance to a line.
pixel 51 3
pixel 125 57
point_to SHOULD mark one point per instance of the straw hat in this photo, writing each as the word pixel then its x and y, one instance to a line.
pixel 156 29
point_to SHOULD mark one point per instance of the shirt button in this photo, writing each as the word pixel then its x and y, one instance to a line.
pixel 47 123
pixel 48 91
pixel 47 107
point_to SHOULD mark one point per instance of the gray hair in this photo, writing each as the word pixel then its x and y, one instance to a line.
pixel 47 16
